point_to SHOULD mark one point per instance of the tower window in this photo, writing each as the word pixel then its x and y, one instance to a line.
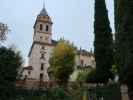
pixel 29 72
pixel 43 48
pixel 42 66
pixel 47 27
pixel 41 76
pixel 41 27
pixel 42 56
pixel 40 38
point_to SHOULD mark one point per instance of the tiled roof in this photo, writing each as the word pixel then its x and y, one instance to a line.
pixel 84 52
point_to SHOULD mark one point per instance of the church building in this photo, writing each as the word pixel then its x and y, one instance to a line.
pixel 42 48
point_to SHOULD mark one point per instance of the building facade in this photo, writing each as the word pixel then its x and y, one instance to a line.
pixel 42 48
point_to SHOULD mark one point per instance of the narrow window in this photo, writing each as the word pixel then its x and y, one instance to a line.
pixel 41 38
pixel 82 62
pixel 29 72
pixel 42 56
pixel 41 76
pixel 41 27
pixel 47 27
pixel 42 66
pixel 43 47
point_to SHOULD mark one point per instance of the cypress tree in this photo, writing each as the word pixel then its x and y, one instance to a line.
pixel 128 34
pixel 120 38
pixel 124 42
pixel 116 14
pixel 103 43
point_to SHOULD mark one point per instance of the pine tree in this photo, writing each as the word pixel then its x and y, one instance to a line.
pixel 103 43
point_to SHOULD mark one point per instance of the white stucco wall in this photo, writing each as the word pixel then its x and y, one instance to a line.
pixel 35 60
pixel 88 60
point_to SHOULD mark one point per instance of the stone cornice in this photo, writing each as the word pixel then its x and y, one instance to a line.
pixel 40 43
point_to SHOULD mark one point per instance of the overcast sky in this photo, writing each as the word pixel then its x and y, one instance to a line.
pixel 73 20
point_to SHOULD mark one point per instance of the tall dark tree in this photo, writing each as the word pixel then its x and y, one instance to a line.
pixel 116 13
pixel 128 41
pixel 119 7
pixel 120 37
pixel 103 43
pixel 10 62
pixel 124 42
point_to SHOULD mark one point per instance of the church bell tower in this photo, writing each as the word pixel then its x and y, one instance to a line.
pixel 43 27
pixel 41 47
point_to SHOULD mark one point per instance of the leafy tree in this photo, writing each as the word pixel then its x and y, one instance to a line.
pixel 103 44
pixel 62 61
pixel 76 90
pixel 3 31
pixel 10 62
pixel 82 76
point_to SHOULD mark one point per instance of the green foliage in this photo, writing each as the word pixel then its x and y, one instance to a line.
pixel 124 42
pixel 10 62
pixel 50 94
pixel 114 69
pixel 91 78
pixel 128 36
pixel 109 92
pixel 116 13
pixel 103 44
pixel 119 7
pixel 120 44
pixel 82 76
pixel 75 91
pixel 62 61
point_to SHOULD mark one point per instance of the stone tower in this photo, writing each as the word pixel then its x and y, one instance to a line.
pixel 41 47
pixel 43 27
